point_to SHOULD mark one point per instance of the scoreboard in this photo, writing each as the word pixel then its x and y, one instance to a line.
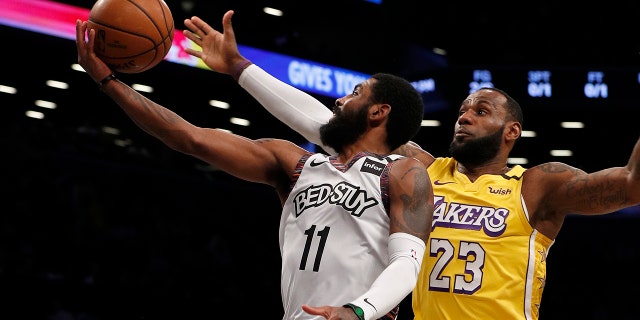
pixel 584 86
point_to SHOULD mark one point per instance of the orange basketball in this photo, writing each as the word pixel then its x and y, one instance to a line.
pixel 132 36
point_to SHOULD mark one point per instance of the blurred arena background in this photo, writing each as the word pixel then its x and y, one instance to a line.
pixel 101 221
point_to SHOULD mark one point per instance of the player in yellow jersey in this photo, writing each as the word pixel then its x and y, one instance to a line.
pixel 493 224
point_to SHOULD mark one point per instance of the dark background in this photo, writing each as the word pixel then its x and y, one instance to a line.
pixel 92 230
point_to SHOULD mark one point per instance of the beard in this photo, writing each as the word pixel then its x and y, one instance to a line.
pixel 344 129
pixel 476 151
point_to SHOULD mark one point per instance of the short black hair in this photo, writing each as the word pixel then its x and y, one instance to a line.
pixel 512 106
pixel 407 107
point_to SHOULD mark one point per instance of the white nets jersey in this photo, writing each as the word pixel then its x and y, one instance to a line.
pixel 334 231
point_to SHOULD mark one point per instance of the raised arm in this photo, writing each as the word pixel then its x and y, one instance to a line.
pixel 295 108
pixel 257 161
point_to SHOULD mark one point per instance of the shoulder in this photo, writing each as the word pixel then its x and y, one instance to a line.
pixel 286 154
pixel 551 171
pixel 547 177
pixel 413 150
pixel 281 146
pixel 406 167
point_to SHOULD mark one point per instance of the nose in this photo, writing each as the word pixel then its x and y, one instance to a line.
pixel 464 118
pixel 338 102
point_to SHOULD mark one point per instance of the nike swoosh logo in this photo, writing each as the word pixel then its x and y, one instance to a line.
pixel 441 183
pixel 369 303
pixel 315 164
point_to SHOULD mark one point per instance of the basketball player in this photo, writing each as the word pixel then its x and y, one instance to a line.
pixel 353 225
pixel 493 224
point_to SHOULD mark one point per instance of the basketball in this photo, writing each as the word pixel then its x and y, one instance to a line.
pixel 132 36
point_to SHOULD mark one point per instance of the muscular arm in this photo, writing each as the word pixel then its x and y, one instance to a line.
pixel 411 198
pixel 253 160
pixel 264 161
pixel 556 189
pixel 411 214
pixel 297 109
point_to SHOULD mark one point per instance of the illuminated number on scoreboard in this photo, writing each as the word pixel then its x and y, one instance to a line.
pixel 595 87
pixel 481 78
pixel 539 84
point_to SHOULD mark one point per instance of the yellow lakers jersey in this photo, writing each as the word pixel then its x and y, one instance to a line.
pixel 483 258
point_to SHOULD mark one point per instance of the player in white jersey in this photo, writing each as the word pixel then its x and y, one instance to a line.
pixel 353 225
pixel 334 230
pixel 493 224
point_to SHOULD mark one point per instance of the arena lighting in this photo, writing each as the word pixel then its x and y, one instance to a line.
pixel 272 11
pixel 219 104
pixel 584 89
pixel 7 89
pixel 34 114
pixel 561 153
pixel 572 125
pixel 57 19
pixel 430 123
pixel 239 121
pixel 57 84
pixel 142 88
pixel 45 104
pixel 111 130
pixel 528 134
pixel 520 161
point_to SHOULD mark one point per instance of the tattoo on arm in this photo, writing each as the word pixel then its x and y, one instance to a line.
pixel 418 204
pixel 406 151
pixel 597 192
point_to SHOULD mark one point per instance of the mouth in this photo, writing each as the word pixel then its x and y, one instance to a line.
pixel 461 134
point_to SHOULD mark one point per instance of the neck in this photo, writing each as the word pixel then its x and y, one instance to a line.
pixel 475 171
pixel 350 151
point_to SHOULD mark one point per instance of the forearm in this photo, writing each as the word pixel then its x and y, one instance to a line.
pixel 149 116
pixel 634 162
pixel 295 108
pixel 397 280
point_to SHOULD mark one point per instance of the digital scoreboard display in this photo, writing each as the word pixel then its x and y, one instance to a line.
pixel 586 86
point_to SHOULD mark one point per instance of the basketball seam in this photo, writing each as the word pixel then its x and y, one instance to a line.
pixel 164 18
pixel 158 29
pixel 168 26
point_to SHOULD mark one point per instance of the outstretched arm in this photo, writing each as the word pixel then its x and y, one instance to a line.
pixel 571 190
pixel 258 161
pixel 295 108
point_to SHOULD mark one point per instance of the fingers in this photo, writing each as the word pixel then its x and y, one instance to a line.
pixel 197 54
pixel 227 27
pixel 198 26
pixel 91 42
pixel 318 311
pixel 196 29
pixel 80 30
pixel 192 36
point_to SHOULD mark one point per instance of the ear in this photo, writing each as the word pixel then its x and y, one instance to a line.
pixel 514 130
pixel 379 111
